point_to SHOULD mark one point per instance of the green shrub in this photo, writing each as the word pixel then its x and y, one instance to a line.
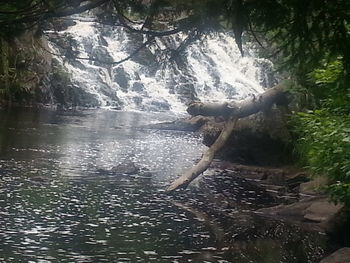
pixel 324 147
pixel 323 134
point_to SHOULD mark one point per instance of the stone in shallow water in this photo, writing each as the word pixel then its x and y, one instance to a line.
pixel 125 168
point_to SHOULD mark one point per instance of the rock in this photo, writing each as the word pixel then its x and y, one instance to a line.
pixel 108 91
pixel 88 44
pixel 102 41
pixel 296 179
pixel 137 100
pixel 144 56
pixel 294 212
pixel 59 24
pixel 230 90
pixel 158 105
pixel 260 139
pixel 137 86
pixel 314 186
pixel 101 54
pixel 316 212
pixel 121 77
pixel 125 168
pixel 187 92
pixel 321 211
pixel 65 93
pixel 340 256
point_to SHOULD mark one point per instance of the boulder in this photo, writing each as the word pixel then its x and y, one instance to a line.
pixel 157 105
pixel 125 168
pixel 121 77
pixel 340 256
pixel 314 186
pixel 260 139
pixel 321 210
pixel 101 54
pixel 187 93
pixel 138 87
pixel 316 212
pixel 102 41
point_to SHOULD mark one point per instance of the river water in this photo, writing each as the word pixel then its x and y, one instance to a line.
pixel 60 200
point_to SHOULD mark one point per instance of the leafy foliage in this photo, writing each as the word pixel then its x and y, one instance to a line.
pixel 324 133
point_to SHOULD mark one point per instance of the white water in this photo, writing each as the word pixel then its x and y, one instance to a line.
pixel 215 69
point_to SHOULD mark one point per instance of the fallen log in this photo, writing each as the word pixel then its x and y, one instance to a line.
pixel 232 111
pixel 254 104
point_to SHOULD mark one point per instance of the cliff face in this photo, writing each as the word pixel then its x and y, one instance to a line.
pixel 25 69
pixel 31 76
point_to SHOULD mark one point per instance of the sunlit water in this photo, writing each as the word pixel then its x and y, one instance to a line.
pixel 59 203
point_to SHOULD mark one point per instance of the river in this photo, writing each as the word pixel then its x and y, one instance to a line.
pixel 60 200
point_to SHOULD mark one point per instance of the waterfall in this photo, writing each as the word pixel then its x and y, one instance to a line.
pixel 211 69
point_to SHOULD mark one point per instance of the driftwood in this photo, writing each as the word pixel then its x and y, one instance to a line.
pixel 232 111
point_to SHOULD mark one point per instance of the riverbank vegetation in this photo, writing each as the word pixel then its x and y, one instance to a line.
pixel 308 42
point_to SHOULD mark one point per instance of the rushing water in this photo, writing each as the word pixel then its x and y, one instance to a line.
pixel 211 69
pixel 61 202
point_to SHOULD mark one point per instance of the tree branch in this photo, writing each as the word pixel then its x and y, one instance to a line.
pixel 134 53
pixel 233 112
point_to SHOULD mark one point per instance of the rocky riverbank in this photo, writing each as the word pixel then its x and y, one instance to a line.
pixel 255 174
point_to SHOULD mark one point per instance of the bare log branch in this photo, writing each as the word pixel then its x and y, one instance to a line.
pixel 233 111
pixel 240 109
pixel 207 158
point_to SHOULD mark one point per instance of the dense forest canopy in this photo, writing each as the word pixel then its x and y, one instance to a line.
pixel 302 32
pixel 308 39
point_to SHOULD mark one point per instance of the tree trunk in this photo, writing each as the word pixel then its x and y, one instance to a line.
pixel 232 111
pixel 275 95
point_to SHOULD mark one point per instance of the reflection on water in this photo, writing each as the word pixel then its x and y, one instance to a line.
pixel 57 206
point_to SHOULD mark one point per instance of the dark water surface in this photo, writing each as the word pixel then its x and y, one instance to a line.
pixel 59 203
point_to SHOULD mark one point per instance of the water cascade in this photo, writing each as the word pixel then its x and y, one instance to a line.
pixel 211 69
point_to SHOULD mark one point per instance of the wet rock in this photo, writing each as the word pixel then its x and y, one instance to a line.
pixel 267 73
pixel 187 92
pixel 260 139
pixel 296 179
pixel 157 105
pixel 315 211
pixel 144 56
pixel 138 87
pixel 121 77
pixel 314 186
pixel 101 55
pixel 110 93
pixel 137 100
pixel 230 91
pixel 87 44
pixel 340 256
pixel 65 93
pixel 321 210
pixel 102 41
pixel 125 168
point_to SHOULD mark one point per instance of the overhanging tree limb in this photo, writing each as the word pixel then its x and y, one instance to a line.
pixel 233 112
